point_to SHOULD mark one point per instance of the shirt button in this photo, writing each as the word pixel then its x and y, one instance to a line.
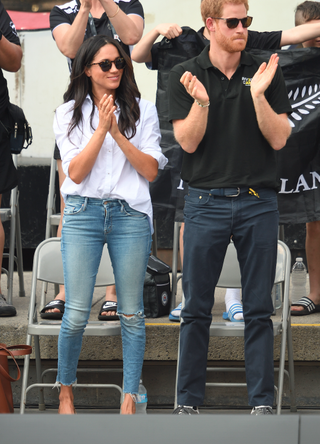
pixel 222 78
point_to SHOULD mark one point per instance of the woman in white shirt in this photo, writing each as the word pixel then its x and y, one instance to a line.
pixel 109 143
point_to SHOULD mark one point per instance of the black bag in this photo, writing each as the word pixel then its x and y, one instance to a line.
pixel 21 134
pixel 156 291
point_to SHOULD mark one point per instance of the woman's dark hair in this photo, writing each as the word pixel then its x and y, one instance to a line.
pixel 80 86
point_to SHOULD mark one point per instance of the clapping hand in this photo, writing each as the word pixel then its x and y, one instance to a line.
pixel 263 77
pixel 195 88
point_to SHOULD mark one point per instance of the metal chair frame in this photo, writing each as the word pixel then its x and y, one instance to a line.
pixel 47 267
pixel 12 215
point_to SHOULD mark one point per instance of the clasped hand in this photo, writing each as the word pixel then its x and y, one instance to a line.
pixel 107 119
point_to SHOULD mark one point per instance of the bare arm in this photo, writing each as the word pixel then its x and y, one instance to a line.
pixel 10 55
pixel 70 37
pixel 142 51
pixel 81 165
pixel 300 34
pixel 128 27
pixel 275 127
pixel 143 163
pixel 190 131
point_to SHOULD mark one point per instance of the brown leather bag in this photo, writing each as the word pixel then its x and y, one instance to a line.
pixel 6 399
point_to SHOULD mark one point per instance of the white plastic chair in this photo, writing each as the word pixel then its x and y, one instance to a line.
pixel 230 278
pixel 47 267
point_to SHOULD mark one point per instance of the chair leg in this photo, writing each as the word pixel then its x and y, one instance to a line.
pixel 177 372
pixel 22 292
pixel 175 253
pixel 282 365
pixel 13 205
pixel 25 376
pixel 293 404
pixel 39 372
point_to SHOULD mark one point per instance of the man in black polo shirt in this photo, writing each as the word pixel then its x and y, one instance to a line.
pixel 229 114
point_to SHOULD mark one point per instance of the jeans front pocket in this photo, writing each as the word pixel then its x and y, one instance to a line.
pixel 75 205
pixel 128 211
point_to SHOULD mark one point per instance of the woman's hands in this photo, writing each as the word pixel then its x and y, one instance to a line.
pixel 107 119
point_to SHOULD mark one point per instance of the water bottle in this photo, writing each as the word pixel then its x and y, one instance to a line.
pixel 276 295
pixel 298 280
pixel 142 399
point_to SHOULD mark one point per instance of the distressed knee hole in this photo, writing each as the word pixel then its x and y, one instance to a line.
pixel 138 315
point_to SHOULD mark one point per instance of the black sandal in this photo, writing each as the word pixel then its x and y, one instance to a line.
pixel 308 306
pixel 56 303
pixel 108 306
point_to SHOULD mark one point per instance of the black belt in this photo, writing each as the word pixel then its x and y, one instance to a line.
pixel 227 192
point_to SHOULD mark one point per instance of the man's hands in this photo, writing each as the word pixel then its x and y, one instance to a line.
pixel 263 77
pixel 195 88
pixel 169 30
pixel 274 127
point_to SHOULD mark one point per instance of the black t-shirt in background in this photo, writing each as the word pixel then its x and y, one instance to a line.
pixel 9 31
pixel 66 14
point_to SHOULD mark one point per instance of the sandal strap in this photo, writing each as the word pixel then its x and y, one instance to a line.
pixel 235 308
pixel 109 306
pixel 306 303
pixel 55 303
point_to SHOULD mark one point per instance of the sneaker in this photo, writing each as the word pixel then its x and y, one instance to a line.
pixel 262 410
pixel 186 410
pixel 176 313
pixel 5 308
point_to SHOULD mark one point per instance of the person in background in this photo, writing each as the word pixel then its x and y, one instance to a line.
pixel 308 14
pixel 10 60
pixel 71 24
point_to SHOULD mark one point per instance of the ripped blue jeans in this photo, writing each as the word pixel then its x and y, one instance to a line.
pixel 88 224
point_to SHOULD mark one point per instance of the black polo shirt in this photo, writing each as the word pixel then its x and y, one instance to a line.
pixel 233 151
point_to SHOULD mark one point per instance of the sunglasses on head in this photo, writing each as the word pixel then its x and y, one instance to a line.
pixel 232 23
pixel 106 65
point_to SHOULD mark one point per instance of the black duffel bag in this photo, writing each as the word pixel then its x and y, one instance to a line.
pixel 156 291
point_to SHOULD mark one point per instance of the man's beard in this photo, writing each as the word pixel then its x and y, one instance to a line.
pixel 232 44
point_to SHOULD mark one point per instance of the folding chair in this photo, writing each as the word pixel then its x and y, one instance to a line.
pixel 47 267
pixel 175 252
pixel 53 218
pixel 12 214
pixel 230 278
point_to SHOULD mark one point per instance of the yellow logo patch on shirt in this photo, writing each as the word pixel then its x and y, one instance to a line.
pixel 246 81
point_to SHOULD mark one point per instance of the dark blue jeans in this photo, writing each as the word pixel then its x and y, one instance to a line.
pixel 209 222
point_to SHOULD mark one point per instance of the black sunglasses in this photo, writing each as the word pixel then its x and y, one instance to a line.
pixel 105 65
pixel 232 23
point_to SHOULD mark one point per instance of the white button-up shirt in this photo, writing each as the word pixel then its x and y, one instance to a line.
pixel 112 175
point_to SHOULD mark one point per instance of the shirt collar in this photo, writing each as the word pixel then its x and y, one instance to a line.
pixel 205 62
